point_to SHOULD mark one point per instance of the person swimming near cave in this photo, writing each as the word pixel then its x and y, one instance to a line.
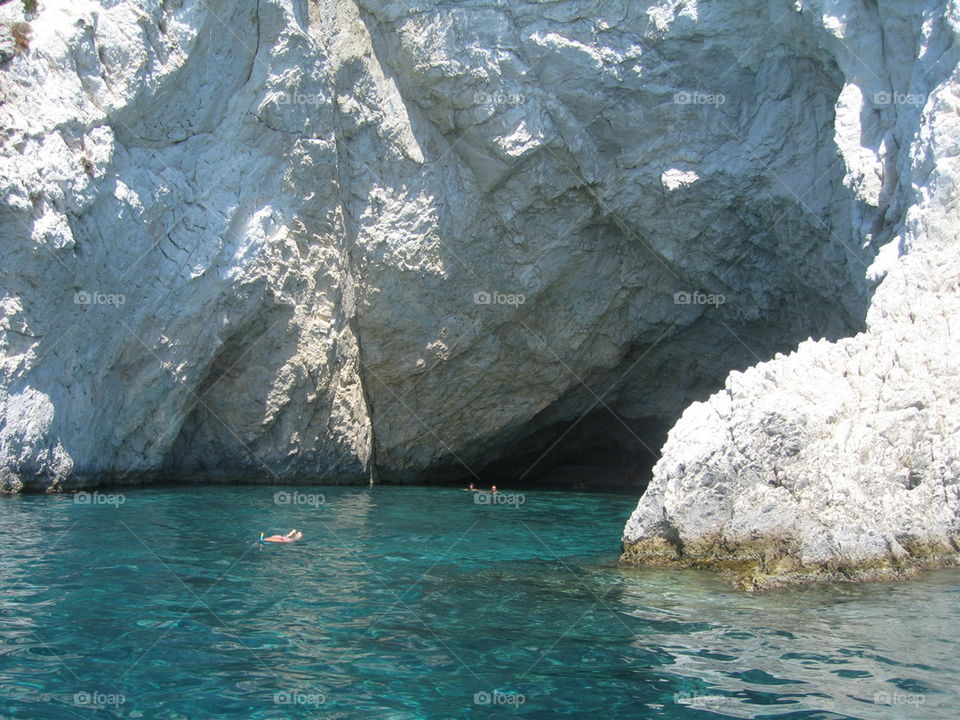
pixel 493 490
pixel 472 487
pixel 291 536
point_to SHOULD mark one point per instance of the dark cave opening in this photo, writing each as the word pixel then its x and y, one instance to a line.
pixel 601 450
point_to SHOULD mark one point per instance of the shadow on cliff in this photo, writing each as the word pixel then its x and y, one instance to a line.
pixel 612 340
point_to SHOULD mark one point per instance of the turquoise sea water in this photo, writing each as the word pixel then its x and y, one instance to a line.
pixel 421 603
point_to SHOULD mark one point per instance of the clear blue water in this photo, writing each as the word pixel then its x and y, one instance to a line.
pixel 419 603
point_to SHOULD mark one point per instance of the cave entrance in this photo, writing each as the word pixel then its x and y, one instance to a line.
pixel 602 449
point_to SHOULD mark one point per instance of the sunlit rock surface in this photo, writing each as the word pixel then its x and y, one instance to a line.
pixel 840 460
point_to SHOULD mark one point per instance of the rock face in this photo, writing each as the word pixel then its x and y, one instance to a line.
pixel 345 240
pixel 840 460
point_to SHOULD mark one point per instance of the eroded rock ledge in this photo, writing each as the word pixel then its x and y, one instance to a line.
pixel 772 562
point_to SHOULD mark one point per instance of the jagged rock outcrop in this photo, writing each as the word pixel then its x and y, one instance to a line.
pixel 333 240
pixel 176 285
pixel 840 460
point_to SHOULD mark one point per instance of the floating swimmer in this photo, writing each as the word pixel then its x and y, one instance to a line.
pixel 291 536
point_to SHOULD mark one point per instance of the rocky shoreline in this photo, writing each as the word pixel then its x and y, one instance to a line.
pixel 765 564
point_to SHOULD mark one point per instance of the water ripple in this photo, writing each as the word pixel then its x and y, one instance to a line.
pixel 418 603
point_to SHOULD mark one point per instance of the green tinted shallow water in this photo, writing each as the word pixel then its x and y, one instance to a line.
pixel 420 603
